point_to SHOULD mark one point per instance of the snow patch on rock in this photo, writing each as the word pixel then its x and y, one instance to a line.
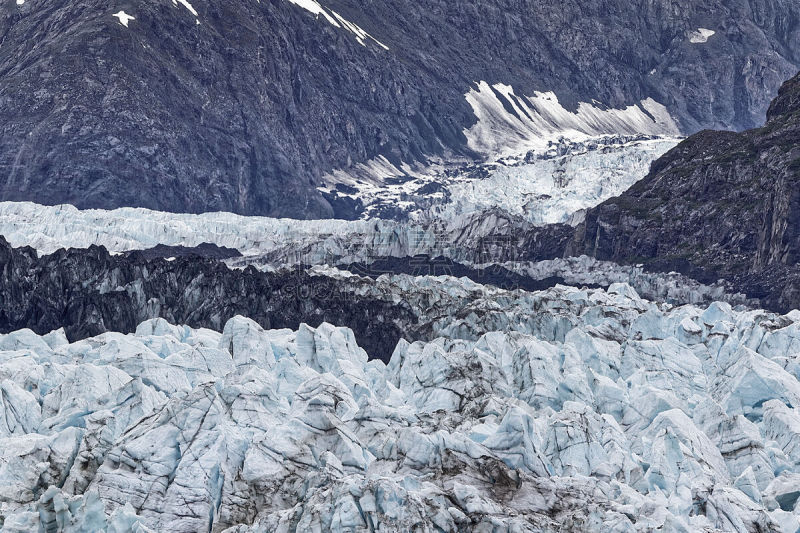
pixel 701 35
pixel 187 5
pixel 123 18
pixel 509 124
pixel 335 19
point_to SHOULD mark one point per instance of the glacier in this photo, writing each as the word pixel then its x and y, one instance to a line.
pixel 270 241
pixel 549 183
pixel 557 185
pixel 604 411
pixel 438 210
pixel 275 244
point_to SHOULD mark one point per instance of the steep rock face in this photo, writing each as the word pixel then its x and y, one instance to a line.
pixel 244 106
pixel 720 205
pixel 620 52
pixel 190 113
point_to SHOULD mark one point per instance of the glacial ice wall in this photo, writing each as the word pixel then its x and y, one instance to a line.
pixel 611 413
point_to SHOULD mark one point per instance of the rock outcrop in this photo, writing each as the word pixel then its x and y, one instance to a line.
pixel 88 292
pixel 719 205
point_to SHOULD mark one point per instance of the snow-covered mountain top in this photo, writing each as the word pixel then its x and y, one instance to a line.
pixel 628 416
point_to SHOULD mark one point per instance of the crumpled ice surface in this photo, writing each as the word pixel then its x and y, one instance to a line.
pixel 627 416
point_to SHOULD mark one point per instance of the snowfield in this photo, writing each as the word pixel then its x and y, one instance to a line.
pixel 509 124
pixel 612 413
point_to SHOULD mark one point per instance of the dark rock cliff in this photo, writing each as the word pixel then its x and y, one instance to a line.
pixel 246 110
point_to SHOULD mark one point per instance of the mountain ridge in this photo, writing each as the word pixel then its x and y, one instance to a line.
pixel 245 107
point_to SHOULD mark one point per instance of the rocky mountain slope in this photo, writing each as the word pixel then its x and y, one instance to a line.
pixel 635 417
pixel 720 205
pixel 247 106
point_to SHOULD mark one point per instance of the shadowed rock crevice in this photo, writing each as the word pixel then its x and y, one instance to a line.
pixel 88 292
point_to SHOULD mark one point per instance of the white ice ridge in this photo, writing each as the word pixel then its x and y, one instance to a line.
pixel 616 414
pixel 509 124
pixel 701 35
pixel 338 21
pixel 49 228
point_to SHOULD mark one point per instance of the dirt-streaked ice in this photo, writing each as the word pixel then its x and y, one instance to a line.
pixel 604 412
